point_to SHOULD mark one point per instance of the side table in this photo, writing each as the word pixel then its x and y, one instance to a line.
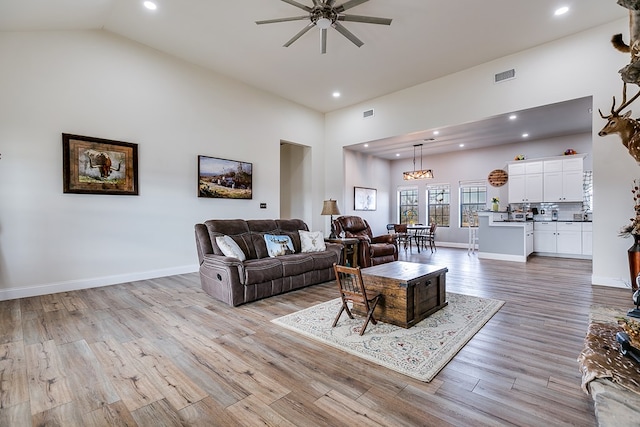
pixel 349 246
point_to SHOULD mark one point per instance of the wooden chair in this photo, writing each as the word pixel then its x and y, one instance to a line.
pixel 402 236
pixel 426 236
pixel 351 287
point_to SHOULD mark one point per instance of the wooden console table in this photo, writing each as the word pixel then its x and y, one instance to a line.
pixel 410 291
pixel 349 247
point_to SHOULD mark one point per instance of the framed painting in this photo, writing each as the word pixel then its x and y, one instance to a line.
pixel 224 179
pixel 364 199
pixel 99 166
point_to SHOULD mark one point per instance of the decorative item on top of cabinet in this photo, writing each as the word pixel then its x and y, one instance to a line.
pixel 497 178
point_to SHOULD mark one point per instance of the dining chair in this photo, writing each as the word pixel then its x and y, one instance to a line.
pixel 402 235
pixel 351 287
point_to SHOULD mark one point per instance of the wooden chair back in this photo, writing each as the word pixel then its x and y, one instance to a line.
pixel 352 289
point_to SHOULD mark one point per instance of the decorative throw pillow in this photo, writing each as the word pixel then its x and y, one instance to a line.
pixel 278 245
pixel 230 248
pixel 312 241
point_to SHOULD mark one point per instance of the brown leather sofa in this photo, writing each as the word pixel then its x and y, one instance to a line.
pixel 236 282
pixel 371 250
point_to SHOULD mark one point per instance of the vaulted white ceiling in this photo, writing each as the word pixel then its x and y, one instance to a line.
pixel 427 39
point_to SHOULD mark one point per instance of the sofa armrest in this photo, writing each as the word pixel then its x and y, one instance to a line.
pixel 385 238
pixel 221 278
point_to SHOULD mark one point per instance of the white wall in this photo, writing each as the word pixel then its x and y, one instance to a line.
pixel 96 84
pixel 584 64
pixel 369 172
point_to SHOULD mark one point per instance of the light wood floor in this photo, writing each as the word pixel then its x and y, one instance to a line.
pixel 162 353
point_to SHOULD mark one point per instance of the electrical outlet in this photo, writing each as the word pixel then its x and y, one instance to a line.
pixel 263 206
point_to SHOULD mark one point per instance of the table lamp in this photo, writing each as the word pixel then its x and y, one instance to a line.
pixel 330 207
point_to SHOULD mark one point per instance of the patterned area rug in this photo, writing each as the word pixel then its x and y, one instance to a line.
pixel 419 352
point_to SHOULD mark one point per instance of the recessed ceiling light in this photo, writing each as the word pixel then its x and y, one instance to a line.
pixel 436 132
pixel 336 94
pixel 150 5
pixel 525 135
pixel 366 145
pixel 561 11
pixel 397 154
pixel 461 145
pixel 513 117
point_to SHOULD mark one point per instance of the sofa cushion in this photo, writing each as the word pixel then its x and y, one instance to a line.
pixel 230 248
pixel 262 270
pixel 311 241
pixel 278 245
pixel 381 249
pixel 296 264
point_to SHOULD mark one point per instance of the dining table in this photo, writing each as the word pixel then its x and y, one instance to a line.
pixel 415 230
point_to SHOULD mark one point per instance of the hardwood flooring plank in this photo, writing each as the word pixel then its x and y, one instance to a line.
pixel 10 321
pixel 252 411
pixel 174 385
pixel 14 383
pixel 48 387
pixel 132 385
pixel 109 415
pixel 157 414
pixel 206 413
pixel 16 415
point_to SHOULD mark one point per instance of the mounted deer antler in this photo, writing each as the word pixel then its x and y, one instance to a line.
pixel 625 126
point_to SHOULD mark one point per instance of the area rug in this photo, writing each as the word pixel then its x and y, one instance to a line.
pixel 419 352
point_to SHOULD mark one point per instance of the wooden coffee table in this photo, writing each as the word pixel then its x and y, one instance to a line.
pixel 410 291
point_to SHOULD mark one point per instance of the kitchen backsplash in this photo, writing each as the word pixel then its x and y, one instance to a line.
pixel 565 211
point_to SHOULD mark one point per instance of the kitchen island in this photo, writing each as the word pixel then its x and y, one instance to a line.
pixel 499 238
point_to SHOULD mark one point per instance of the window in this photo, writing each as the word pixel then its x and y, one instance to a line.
pixel 408 205
pixel 473 197
pixel 438 197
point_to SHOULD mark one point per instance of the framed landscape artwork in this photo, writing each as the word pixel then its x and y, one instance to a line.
pixel 99 166
pixel 224 179
pixel 364 199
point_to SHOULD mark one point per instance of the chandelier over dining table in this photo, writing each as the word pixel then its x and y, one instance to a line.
pixel 417 174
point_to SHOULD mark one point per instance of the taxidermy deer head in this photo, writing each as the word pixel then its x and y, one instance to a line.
pixel 625 126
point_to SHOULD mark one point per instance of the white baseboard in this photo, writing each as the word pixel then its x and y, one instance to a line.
pixel 75 285
pixel 611 282
pixel 502 257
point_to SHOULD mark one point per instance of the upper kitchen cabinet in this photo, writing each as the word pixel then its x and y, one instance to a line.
pixel 563 179
pixel 526 182
pixel 553 179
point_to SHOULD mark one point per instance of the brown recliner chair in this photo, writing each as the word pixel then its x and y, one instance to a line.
pixel 371 250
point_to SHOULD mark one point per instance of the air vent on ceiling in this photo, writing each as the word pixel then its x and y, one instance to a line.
pixel 505 75
pixel 368 113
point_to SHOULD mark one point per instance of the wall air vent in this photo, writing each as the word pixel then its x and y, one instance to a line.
pixel 368 113
pixel 505 75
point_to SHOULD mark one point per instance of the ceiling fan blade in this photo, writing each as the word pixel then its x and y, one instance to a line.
pixel 293 18
pixel 296 4
pixel 323 41
pixel 316 3
pixel 300 34
pixel 365 19
pixel 348 34
pixel 348 5
pixel 330 3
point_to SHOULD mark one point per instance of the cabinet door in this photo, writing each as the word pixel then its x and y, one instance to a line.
pixel 572 186
pixel 569 242
pixel 529 242
pixel 553 186
pixel 544 241
pixel 534 187
pixel 517 188
pixel 516 169
pixel 587 239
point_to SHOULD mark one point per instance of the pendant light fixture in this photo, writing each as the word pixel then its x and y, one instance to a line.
pixel 417 174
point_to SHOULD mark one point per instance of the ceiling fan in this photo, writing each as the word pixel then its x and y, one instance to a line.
pixel 324 14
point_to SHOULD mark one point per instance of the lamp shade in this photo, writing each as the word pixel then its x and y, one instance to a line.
pixel 330 207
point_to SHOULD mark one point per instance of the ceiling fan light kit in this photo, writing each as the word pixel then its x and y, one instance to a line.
pixel 324 15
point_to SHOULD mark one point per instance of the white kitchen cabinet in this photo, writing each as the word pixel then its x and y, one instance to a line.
pixel 563 179
pixel 526 182
pixel 569 238
pixel 544 237
pixel 529 239
pixel 587 238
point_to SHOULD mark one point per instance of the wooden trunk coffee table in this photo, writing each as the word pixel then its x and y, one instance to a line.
pixel 410 291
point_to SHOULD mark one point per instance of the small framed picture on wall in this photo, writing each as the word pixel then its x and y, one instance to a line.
pixel 364 199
